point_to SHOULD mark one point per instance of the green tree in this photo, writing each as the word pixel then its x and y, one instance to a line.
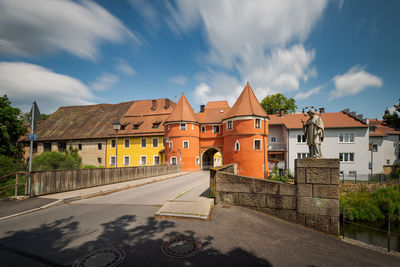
pixel 393 119
pixel 54 160
pixel 273 103
pixel 11 127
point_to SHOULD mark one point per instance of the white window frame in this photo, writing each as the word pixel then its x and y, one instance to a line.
pixel 214 128
pixel 205 129
pixel 141 142
pixel 273 139
pixel 344 154
pixel 154 160
pixel 176 160
pixel 183 144
pixel 254 144
pixel 183 125
pixel 197 161
pixel 113 157
pixel 303 155
pixel 170 144
pixel 237 145
pixel 152 142
pixel 129 142
pixel 129 160
pixel 163 140
pixel 227 125
pixel 302 140
pixel 345 135
pixel 111 143
pixel 141 156
pixel 255 123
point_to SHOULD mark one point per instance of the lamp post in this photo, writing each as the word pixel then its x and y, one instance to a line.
pixel 117 126
pixel 166 150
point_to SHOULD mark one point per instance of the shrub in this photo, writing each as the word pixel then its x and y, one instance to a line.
pixel 57 161
pixel 88 166
pixel 9 165
pixel 280 178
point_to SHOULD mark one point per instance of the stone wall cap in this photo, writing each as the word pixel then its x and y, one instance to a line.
pixel 317 163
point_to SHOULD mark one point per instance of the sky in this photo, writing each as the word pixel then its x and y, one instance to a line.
pixel 323 53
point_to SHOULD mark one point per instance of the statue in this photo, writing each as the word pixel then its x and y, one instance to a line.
pixel 314 132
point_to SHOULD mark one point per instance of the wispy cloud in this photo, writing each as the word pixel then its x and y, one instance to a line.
pixel 179 80
pixel 31 28
pixel 353 82
pixel 24 83
pixel 304 95
pixel 124 68
pixel 104 82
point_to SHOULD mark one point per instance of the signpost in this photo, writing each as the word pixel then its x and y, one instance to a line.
pixel 35 116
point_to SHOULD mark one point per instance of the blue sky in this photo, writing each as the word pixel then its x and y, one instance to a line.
pixel 332 54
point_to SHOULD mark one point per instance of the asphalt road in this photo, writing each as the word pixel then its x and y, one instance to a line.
pixel 234 236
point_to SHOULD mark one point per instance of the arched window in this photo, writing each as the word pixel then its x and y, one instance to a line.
pixel 237 145
pixel 173 161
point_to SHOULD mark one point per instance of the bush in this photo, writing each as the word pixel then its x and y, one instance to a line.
pixel 9 165
pixel 88 166
pixel 280 178
pixel 57 161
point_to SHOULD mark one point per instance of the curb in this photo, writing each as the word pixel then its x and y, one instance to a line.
pixel 100 193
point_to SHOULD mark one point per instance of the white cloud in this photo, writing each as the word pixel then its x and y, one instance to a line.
pixel 353 82
pixel 260 42
pixel 179 80
pixel 24 83
pixel 124 68
pixel 148 12
pixel 30 28
pixel 304 95
pixel 104 82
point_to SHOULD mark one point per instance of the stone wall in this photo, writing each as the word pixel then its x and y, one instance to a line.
pixel 312 202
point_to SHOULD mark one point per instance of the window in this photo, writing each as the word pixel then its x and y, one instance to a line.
pixel 237 145
pixel 79 146
pixel 173 160
pixel 170 144
pixel 301 138
pixel 183 126
pixel 346 137
pixel 136 126
pixel 374 147
pixel 257 123
pixel 143 160
pixel 353 173
pixel 62 146
pixel 156 160
pixel 229 125
pixel 303 155
pixel 99 160
pixel 34 147
pixel 155 125
pixel 203 129
pixel 143 142
pixel 197 161
pixel 99 146
pixel 273 139
pixel 127 143
pixel 163 142
pixel 112 160
pixel 216 129
pixel 46 147
pixel 112 143
pixel 346 157
pixel 126 160
pixel 388 161
pixel 185 144
pixel 257 144
pixel 155 142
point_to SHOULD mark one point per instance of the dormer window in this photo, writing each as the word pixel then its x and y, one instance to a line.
pixel 156 125
pixel 137 125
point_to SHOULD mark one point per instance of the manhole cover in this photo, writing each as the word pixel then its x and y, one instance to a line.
pixel 181 247
pixel 102 257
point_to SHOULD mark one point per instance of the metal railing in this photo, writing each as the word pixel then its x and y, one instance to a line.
pixel 18 175
pixel 276 146
pixel 367 178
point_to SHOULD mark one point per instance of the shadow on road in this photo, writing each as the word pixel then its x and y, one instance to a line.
pixel 51 244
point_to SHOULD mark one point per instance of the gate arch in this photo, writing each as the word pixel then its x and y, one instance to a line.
pixel 207 158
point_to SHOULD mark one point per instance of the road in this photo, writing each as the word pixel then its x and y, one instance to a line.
pixel 234 236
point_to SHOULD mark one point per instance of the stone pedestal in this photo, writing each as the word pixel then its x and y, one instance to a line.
pixel 317 181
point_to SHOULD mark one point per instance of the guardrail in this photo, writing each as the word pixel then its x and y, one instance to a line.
pixel 18 175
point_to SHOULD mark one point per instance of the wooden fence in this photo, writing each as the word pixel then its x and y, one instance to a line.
pixel 49 182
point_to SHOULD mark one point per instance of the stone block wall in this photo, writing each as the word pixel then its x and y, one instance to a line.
pixel 312 202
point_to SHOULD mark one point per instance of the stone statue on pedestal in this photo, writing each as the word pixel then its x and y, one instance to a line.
pixel 314 132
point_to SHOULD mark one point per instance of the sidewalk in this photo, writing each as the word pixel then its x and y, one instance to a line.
pixel 10 209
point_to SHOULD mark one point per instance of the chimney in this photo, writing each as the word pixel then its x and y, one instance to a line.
pixel 346 111
pixel 321 110
pixel 282 112
pixel 167 104
pixel 353 114
pixel 202 108
pixel 359 117
pixel 153 104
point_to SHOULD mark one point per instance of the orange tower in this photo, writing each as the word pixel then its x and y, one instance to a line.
pixel 245 131
pixel 182 137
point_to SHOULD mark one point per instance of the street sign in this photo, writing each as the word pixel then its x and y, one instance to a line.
pixel 33 136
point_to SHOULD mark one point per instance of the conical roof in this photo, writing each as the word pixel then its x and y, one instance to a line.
pixel 183 111
pixel 246 105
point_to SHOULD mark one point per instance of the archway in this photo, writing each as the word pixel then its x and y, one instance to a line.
pixel 207 159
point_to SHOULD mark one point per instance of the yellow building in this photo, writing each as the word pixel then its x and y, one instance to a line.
pixel 141 138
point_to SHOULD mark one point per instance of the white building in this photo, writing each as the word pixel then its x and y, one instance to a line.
pixel 346 137
pixel 384 144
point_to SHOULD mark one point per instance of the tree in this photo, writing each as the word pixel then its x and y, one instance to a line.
pixel 11 127
pixel 393 119
pixel 26 116
pixel 273 103
pixel 54 160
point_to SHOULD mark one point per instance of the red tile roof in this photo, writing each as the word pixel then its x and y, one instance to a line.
pixel 183 111
pixel 330 120
pixel 246 105
pixel 214 112
pixel 381 129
